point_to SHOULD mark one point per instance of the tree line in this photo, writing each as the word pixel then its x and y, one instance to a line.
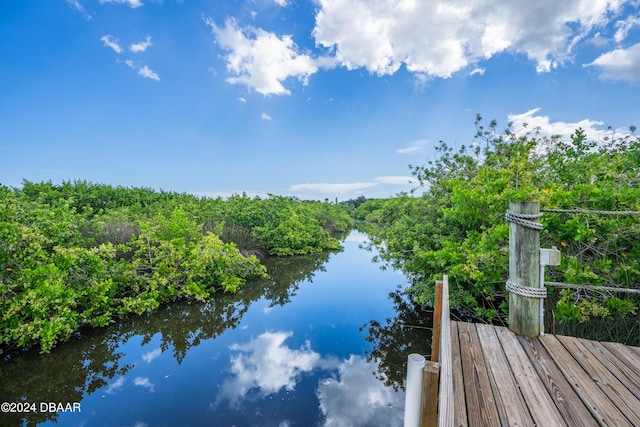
pixel 80 254
pixel 456 225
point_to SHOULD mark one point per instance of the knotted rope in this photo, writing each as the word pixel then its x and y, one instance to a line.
pixel 526 291
pixel 524 220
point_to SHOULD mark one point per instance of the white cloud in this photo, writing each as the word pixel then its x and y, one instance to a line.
pixel 624 26
pixel 440 38
pixel 416 147
pixel 432 39
pixel 265 116
pixel 261 60
pixel 593 128
pixel 619 64
pixel 144 71
pixel 141 46
pixel 266 364
pixel 241 99
pixel 144 382
pixel 395 180
pixel 357 398
pixel 132 3
pixel 110 42
pixel 76 5
pixel 598 40
pixel 148 73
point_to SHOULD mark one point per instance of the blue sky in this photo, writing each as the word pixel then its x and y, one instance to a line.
pixel 315 99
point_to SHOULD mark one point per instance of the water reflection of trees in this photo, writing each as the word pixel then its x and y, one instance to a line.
pixel 285 276
pixel 87 363
pixel 64 375
pixel 184 325
pixel 400 336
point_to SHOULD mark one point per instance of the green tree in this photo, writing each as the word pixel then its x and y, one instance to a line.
pixel 457 226
pixel 82 254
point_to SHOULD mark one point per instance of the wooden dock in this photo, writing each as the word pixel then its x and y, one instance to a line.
pixel 491 377
pixel 500 379
pixel 484 375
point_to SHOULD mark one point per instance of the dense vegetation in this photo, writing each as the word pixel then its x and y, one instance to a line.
pixel 81 254
pixel 457 225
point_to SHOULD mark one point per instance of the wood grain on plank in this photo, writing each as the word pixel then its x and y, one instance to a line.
pixel 593 397
pixel 570 406
pixel 446 399
pixel 541 406
pixel 625 353
pixel 509 401
pixel 628 376
pixel 481 406
pixel 583 351
pixel 459 404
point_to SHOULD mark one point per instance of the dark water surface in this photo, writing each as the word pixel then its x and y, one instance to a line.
pixel 322 342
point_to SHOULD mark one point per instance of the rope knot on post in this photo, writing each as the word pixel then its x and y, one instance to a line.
pixel 524 220
pixel 526 291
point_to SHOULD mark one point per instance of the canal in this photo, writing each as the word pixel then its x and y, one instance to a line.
pixel 322 342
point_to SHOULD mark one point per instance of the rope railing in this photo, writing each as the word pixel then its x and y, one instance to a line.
pixel 592 287
pixel 526 220
pixel 589 212
pixel 584 286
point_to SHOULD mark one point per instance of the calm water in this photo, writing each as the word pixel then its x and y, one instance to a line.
pixel 322 342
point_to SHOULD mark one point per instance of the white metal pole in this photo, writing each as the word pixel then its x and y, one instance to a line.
pixel 413 396
pixel 547 257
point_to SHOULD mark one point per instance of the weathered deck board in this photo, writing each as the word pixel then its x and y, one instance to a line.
pixel 617 367
pixel 509 400
pixel 502 379
pixel 625 354
pixel 612 388
pixel 573 411
pixel 540 404
pixel 459 403
pixel 481 405
pixel 583 385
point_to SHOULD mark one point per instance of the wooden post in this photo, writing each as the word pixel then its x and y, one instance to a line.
pixel 445 388
pixel 430 381
pixel 437 323
pixel 431 374
pixel 524 270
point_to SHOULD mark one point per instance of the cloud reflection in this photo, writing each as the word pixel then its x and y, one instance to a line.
pixel 357 237
pixel 116 385
pixel 266 364
pixel 357 398
pixel 150 355
pixel 348 393
pixel 144 382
